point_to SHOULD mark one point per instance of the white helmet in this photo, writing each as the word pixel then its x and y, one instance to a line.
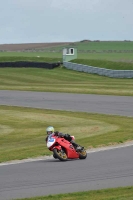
pixel 50 130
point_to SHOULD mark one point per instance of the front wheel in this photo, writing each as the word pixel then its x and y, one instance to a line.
pixel 54 156
pixel 60 154
pixel 82 154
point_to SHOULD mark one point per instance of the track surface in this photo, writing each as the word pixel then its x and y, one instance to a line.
pixel 119 105
pixel 110 168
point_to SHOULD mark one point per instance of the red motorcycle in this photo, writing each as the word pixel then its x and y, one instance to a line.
pixel 63 149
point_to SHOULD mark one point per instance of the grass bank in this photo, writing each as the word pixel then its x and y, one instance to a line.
pixel 62 80
pixel 22 130
pixel 105 64
pixel 125 193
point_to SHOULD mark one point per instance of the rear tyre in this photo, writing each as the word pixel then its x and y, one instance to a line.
pixel 82 154
pixel 60 154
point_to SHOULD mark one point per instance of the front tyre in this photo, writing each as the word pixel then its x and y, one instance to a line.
pixel 54 156
pixel 60 154
pixel 82 154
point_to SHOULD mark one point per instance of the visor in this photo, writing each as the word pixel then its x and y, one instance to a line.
pixel 49 132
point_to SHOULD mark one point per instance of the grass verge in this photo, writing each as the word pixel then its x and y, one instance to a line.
pixel 62 80
pixel 125 193
pixel 22 130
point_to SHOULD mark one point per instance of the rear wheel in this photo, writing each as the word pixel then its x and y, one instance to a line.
pixel 60 154
pixel 82 154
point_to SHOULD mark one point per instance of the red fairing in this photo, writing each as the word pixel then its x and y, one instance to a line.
pixel 70 150
pixel 61 143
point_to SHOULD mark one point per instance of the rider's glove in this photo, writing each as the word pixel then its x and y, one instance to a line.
pixel 67 137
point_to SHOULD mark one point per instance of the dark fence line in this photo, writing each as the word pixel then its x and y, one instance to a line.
pixel 27 64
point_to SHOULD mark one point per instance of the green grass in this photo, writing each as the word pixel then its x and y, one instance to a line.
pixel 62 80
pixel 125 193
pixel 105 64
pixel 117 57
pixel 121 57
pixel 28 58
pixel 34 55
pixel 22 130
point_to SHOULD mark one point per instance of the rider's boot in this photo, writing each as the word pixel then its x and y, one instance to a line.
pixel 76 146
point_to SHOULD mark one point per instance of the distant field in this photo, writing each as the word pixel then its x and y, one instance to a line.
pixel 105 46
pixel 121 57
pixel 29 58
pixel 30 46
pixel 30 54
pixel 82 46
pixel 98 46
pixel 114 51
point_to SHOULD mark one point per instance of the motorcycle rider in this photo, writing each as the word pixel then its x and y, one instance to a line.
pixel 50 130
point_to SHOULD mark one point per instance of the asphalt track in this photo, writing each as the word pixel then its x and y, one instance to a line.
pixel 118 105
pixel 103 169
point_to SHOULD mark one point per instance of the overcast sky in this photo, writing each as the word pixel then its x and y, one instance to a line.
pixel 33 21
